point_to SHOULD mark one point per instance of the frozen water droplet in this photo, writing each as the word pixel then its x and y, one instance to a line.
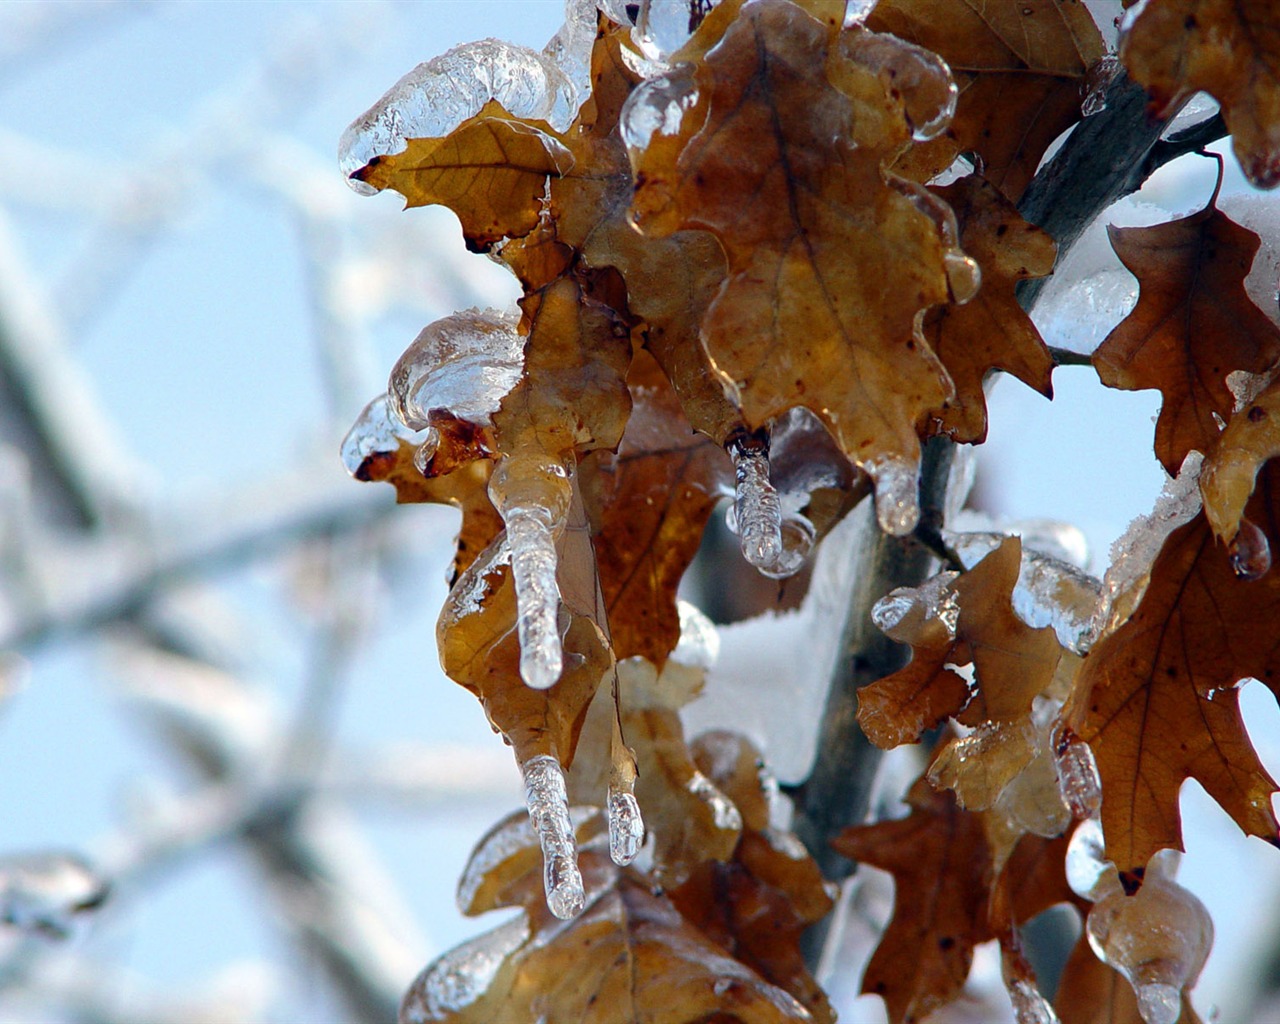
pixel 657 106
pixel 425 452
pixel 1089 873
pixel 44 892
pixel 757 510
pixel 897 487
pixel 548 803
pixel 1249 551
pixel 533 568
pixel 1077 775
pixel 457 979
pixel 1159 1004
pixel 376 431
pixel 626 826
pixel 464 364
pixel 797 542
pixel 663 26
pixel 1029 1006
pixel 964 276
pixel 434 98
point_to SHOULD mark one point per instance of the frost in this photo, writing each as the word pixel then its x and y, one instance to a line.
pixel 461 976
pixel 434 98
pixel 548 804
pixel 464 364
pixel 43 892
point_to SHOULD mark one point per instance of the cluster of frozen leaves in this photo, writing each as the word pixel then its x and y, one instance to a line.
pixel 740 276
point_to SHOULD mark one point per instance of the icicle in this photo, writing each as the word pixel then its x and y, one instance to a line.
pixel 1029 1006
pixel 1089 873
pixel 626 826
pixel 1077 774
pixel 757 511
pixel 897 484
pixel 43 892
pixel 1159 939
pixel 532 495
pixel 548 803
pixel 1249 551
pixel 797 537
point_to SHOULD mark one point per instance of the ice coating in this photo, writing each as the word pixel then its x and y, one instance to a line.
pixel 1158 938
pixel 626 826
pixel 797 536
pixel 757 510
pixel 1029 1006
pixel 1089 873
pixel 533 570
pixel 570 48
pixel 44 892
pixel 897 484
pixel 376 431
pixel 434 98
pixel 548 803
pixel 1249 551
pixel 458 978
pixel 464 364
pixel 663 26
pixel 901 612
pixel 1077 772
pixel 657 106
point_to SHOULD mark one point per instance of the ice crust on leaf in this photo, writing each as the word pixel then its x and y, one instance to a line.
pixel 42 893
pixel 437 96
pixel 377 430
pixel 459 977
pixel 657 106
pixel 464 364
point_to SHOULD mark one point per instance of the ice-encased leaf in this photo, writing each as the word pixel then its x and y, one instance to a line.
pixel 376 431
pixel 464 364
pixel 460 977
pixel 437 96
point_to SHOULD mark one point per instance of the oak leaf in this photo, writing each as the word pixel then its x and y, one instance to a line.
pixel 1156 698
pixel 758 904
pixel 1249 440
pixel 491 171
pixel 1020 68
pixel 1230 50
pixel 1193 325
pixel 629 956
pixel 991 331
pixel 648 505
pixel 829 263
pixel 942 872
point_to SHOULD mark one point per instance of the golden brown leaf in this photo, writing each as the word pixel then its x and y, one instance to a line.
pixel 1156 698
pixel 991 331
pixel 757 905
pixel 491 171
pixel 479 649
pixel 1230 50
pixel 629 956
pixel 1020 68
pixel 1193 325
pixel 786 171
pixel 648 506
pixel 942 870
pixel 1250 439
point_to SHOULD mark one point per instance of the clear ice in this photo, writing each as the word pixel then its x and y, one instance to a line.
pixel 1158 938
pixel 1089 874
pixel 464 364
pixel 461 976
pixel 42 893
pixel 434 98
pixel 548 803
pixel 377 431
pixel 1249 551
pixel 757 510
pixel 1078 780
pixel 663 26
pixel 657 106
pixel 626 826
pixel 533 570
pixel 1029 1006
pixel 897 484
